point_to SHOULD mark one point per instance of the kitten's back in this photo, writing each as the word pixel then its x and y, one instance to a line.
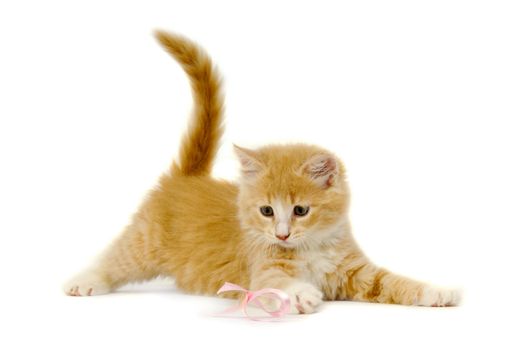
pixel 202 242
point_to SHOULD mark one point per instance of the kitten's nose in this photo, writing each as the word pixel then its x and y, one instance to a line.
pixel 282 231
pixel 282 236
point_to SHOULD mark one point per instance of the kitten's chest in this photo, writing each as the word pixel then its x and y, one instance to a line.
pixel 316 265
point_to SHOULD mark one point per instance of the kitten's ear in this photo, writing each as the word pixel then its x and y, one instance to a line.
pixel 322 169
pixel 248 160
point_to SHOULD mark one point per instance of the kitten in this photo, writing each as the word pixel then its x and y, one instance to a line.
pixel 285 225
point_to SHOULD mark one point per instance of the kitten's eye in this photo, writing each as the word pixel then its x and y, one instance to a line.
pixel 300 210
pixel 266 210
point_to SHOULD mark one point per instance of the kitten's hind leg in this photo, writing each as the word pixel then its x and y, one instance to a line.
pixel 131 258
pixel 87 283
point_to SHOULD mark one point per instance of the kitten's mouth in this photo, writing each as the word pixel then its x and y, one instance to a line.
pixel 286 244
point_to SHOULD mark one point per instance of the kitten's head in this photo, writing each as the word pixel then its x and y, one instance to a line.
pixel 292 195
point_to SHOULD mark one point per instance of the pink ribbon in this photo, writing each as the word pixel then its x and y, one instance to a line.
pixel 252 297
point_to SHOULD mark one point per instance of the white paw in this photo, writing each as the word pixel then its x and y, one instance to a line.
pixel 87 283
pixel 439 297
pixel 305 298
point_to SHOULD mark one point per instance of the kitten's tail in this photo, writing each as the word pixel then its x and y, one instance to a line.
pixel 199 146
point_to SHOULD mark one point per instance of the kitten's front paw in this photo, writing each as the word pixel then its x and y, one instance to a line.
pixel 87 283
pixel 305 298
pixel 431 296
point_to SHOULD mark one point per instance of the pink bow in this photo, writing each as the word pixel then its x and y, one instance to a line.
pixel 252 297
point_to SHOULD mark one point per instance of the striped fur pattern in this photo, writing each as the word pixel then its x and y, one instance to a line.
pixel 200 145
pixel 203 231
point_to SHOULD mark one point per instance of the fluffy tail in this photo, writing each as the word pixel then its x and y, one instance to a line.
pixel 201 143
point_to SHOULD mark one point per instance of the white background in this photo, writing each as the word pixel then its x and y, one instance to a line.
pixel 424 101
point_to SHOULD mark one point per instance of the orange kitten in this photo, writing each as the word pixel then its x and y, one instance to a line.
pixel 285 225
